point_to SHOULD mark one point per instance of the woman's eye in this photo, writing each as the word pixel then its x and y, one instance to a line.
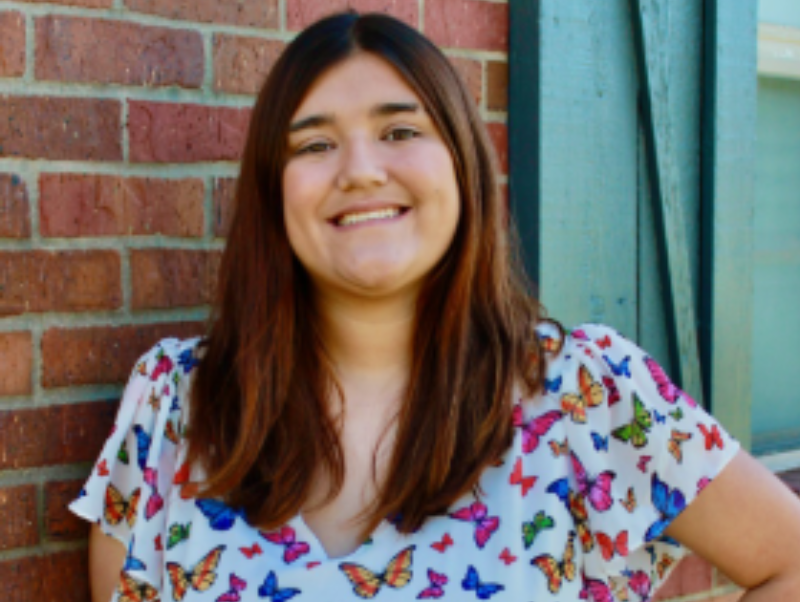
pixel 404 133
pixel 314 147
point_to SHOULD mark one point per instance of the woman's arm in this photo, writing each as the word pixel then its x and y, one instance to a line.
pixel 106 557
pixel 747 523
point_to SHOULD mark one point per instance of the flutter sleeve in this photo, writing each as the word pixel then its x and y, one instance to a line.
pixel 645 451
pixel 126 491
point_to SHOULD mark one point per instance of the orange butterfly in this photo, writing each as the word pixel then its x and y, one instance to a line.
pixel 171 432
pixel 118 508
pixel 131 590
pixel 556 571
pixel 154 401
pixel 516 478
pixel 713 436
pixel 142 368
pixel 630 501
pixel 609 546
pixel 674 444
pixel 366 583
pixel 619 587
pixel 201 576
pixel 663 564
pixel 590 396
pixel 558 449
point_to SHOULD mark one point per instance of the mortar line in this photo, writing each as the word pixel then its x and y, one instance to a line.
pixel 44 474
pixel 208 209
pixel 124 118
pixel 134 170
pixel 421 15
pixel 208 62
pixel 43 549
pixel 282 16
pixel 30 49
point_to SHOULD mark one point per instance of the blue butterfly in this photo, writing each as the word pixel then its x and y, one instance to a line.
pixel 660 418
pixel 175 406
pixel 669 503
pixel 131 563
pixel 552 386
pixel 143 441
pixel 561 489
pixel 621 369
pixel 270 590
pixel 600 443
pixel 220 515
pixel 187 360
pixel 472 582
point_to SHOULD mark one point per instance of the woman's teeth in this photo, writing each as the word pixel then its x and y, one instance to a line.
pixel 357 218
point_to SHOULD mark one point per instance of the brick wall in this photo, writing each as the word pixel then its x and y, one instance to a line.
pixel 120 125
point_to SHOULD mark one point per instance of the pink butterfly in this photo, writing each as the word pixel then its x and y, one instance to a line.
pixel 237 585
pixel 639 582
pixel 643 462
pixel 580 335
pixel 286 537
pixel 666 388
pixel 436 588
pixel 702 483
pixel 484 525
pixel 613 391
pixel 595 591
pixel 155 502
pixel 533 430
pixel 598 489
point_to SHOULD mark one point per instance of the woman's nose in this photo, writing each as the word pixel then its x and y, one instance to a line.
pixel 361 165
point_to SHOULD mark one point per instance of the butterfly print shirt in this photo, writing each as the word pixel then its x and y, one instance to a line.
pixel 602 461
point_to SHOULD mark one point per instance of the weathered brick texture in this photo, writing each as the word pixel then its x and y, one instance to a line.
pixel 471 72
pixel 77 49
pixel 83 356
pixel 12 47
pixel 693 575
pixel 165 278
pixel 15 219
pixel 16 359
pixel 496 86
pixel 224 199
pixel 467 24
pixel 78 129
pixel 241 64
pixel 73 205
pixel 58 577
pixel 499 135
pixel 300 13
pixel 183 133
pixel 247 13
pixel 60 524
pixel 19 528
pixel 37 281
pixel 81 3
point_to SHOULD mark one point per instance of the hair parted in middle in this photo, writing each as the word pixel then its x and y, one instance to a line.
pixel 259 422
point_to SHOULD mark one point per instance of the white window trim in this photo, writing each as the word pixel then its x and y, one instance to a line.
pixel 778 51
pixel 781 462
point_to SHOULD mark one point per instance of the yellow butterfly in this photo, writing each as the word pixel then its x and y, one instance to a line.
pixel 131 590
pixel 366 583
pixel 200 577
pixel 590 395
pixel 619 587
pixel 558 449
pixel 674 444
pixel 556 571
pixel 118 508
pixel 663 564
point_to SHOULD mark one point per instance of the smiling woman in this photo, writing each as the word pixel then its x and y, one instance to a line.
pixel 381 407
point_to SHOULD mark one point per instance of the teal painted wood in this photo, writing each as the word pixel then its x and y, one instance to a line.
pixel 669 211
pixel 678 27
pixel 523 128
pixel 776 319
pixel 779 12
pixel 727 242
pixel 587 177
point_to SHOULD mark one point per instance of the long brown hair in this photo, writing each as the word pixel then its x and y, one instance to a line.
pixel 263 380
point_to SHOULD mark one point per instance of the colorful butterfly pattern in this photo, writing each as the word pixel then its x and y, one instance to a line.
pixel 604 457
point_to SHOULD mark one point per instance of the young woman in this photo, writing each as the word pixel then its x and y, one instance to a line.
pixel 381 410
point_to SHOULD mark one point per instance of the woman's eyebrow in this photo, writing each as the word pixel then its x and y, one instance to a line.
pixel 381 110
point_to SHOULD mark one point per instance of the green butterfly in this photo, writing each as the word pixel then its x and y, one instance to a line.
pixel 636 430
pixel 178 533
pixel 531 529
pixel 122 454
pixel 677 414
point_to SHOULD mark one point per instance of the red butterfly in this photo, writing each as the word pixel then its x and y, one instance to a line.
pixel 312 564
pixel 159 545
pixel 507 557
pixel 609 546
pixel 516 478
pixel 613 391
pixel 182 478
pixel 477 514
pixel 713 436
pixel 102 469
pixel 441 546
pixel 253 550
pixel 604 343
pixel 285 536
pixel 643 461
pixel 533 430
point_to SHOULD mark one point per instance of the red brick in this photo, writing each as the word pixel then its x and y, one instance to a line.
pixel 76 205
pixel 37 281
pixel 498 132
pixel 18 529
pixel 300 13
pixel 731 597
pixel 691 576
pixel 59 577
pixel 182 133
pixel 12 50
pixel 83 356
pixel 15 219
pixel 76 129
pixel 496 86
pixel 472 74
pixel 59 523
pixel 16 358
pixel 224 200
pixel 241 64
pixel 467 24
pixel 83 3
pixel 77 49
pixel 249 13
pixel 164 278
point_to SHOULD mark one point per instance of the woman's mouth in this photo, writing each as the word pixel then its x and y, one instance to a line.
pixel 360 217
